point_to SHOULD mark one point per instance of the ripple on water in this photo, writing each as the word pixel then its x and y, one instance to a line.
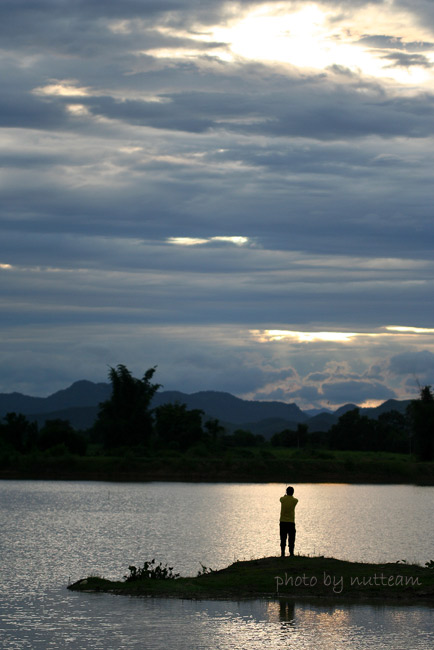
pixel 52 532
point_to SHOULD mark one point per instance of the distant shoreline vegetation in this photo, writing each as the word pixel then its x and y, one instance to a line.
pixel 129 440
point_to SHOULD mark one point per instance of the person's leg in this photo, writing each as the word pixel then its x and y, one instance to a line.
pixel 291 538
pixel 283 534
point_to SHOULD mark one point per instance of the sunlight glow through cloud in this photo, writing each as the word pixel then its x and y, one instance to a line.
pixel 410 330
pixel 195 241
pixel 77 109
pixel 305 125
pixel 317 38
pixel 65 88
pixel 267 336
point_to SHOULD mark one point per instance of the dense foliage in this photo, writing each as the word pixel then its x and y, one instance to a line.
pixel 421 414
pixel 126 423
pixel 56 436
pixel 125 419
pixel 151 571
pixel 178 427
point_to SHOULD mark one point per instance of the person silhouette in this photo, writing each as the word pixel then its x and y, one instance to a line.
pixel 287 521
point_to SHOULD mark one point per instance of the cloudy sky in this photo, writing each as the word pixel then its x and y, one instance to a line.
pixel 240 193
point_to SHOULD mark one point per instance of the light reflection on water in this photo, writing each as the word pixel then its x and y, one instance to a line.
pixel 104 621
pixel 54 531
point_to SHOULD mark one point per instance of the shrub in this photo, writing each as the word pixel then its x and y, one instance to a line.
pixel 151 571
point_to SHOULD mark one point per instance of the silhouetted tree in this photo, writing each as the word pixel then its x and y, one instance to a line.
pixel 125 419
pixel 353 432
pixel 284 438
pixel 178 427
pixel 393 432
pixel 302 434
pixel 18 432
pixel 243 438
pixel 421 414
pixel 214 429
pixel 290 438
pixel 60 432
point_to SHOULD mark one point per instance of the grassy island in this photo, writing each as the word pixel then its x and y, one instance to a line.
pixel 274 577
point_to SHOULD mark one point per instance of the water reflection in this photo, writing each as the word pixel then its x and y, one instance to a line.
pixel 52 532
pixel 256 624
pixel 281 611
pixel 186 524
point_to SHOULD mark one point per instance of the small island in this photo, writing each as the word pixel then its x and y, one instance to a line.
pixel 295 578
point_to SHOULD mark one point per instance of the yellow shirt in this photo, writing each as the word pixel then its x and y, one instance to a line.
pixel 287 508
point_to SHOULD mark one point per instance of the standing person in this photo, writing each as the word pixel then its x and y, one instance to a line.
pixel 287 521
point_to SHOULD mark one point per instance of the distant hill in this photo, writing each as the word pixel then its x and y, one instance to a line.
pixel 312 412
pixel 265 428
pixel 79 394
pixel 389 405
pixel 322 421
pixel 80 417
pixel 344 409
pixel 228 408
pixel 79 404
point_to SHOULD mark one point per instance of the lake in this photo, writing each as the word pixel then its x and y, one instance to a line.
pixel 55 532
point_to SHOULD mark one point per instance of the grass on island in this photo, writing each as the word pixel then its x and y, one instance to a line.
pixel 298 577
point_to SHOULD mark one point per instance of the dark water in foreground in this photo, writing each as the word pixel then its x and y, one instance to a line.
pixel 53 532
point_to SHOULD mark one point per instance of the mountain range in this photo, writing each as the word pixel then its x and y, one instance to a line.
pixel 80 404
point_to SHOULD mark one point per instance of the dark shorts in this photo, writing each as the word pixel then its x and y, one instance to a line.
pixel 287 530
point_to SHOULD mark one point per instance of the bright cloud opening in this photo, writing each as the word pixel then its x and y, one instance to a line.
pixel 268 336
pixel 318 38
pixel 186 241
pixel 313 37
pixel 77 109
pixel 410 330
pixel 66 88
pixel 195 241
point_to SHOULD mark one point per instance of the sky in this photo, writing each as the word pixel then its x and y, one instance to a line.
pixel 239 193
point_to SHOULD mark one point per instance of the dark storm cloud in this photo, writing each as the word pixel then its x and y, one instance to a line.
pixel 18 110
pixel 317 109
pixel 318 106
pixel 120 282
pixel 146 204
pixel 79 28
pixel 159 199
pixel 333 392
pixel 318 377
pixel 419 364
pixel 306 393
pixel 422 9
pixel 355 391
pixel 111 147
pixel 395 43
pixel 236 373
pixel 404 60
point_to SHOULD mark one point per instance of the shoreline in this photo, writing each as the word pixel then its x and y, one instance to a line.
pixel 119 477
pixel 216 469
pixel 297 578
pixel 131 477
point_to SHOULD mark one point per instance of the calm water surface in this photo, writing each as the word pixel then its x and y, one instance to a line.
pixel 53 532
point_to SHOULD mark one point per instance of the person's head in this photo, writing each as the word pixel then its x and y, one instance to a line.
pixel 290 491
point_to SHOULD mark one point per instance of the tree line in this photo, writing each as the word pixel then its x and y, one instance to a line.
pixel 126 420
